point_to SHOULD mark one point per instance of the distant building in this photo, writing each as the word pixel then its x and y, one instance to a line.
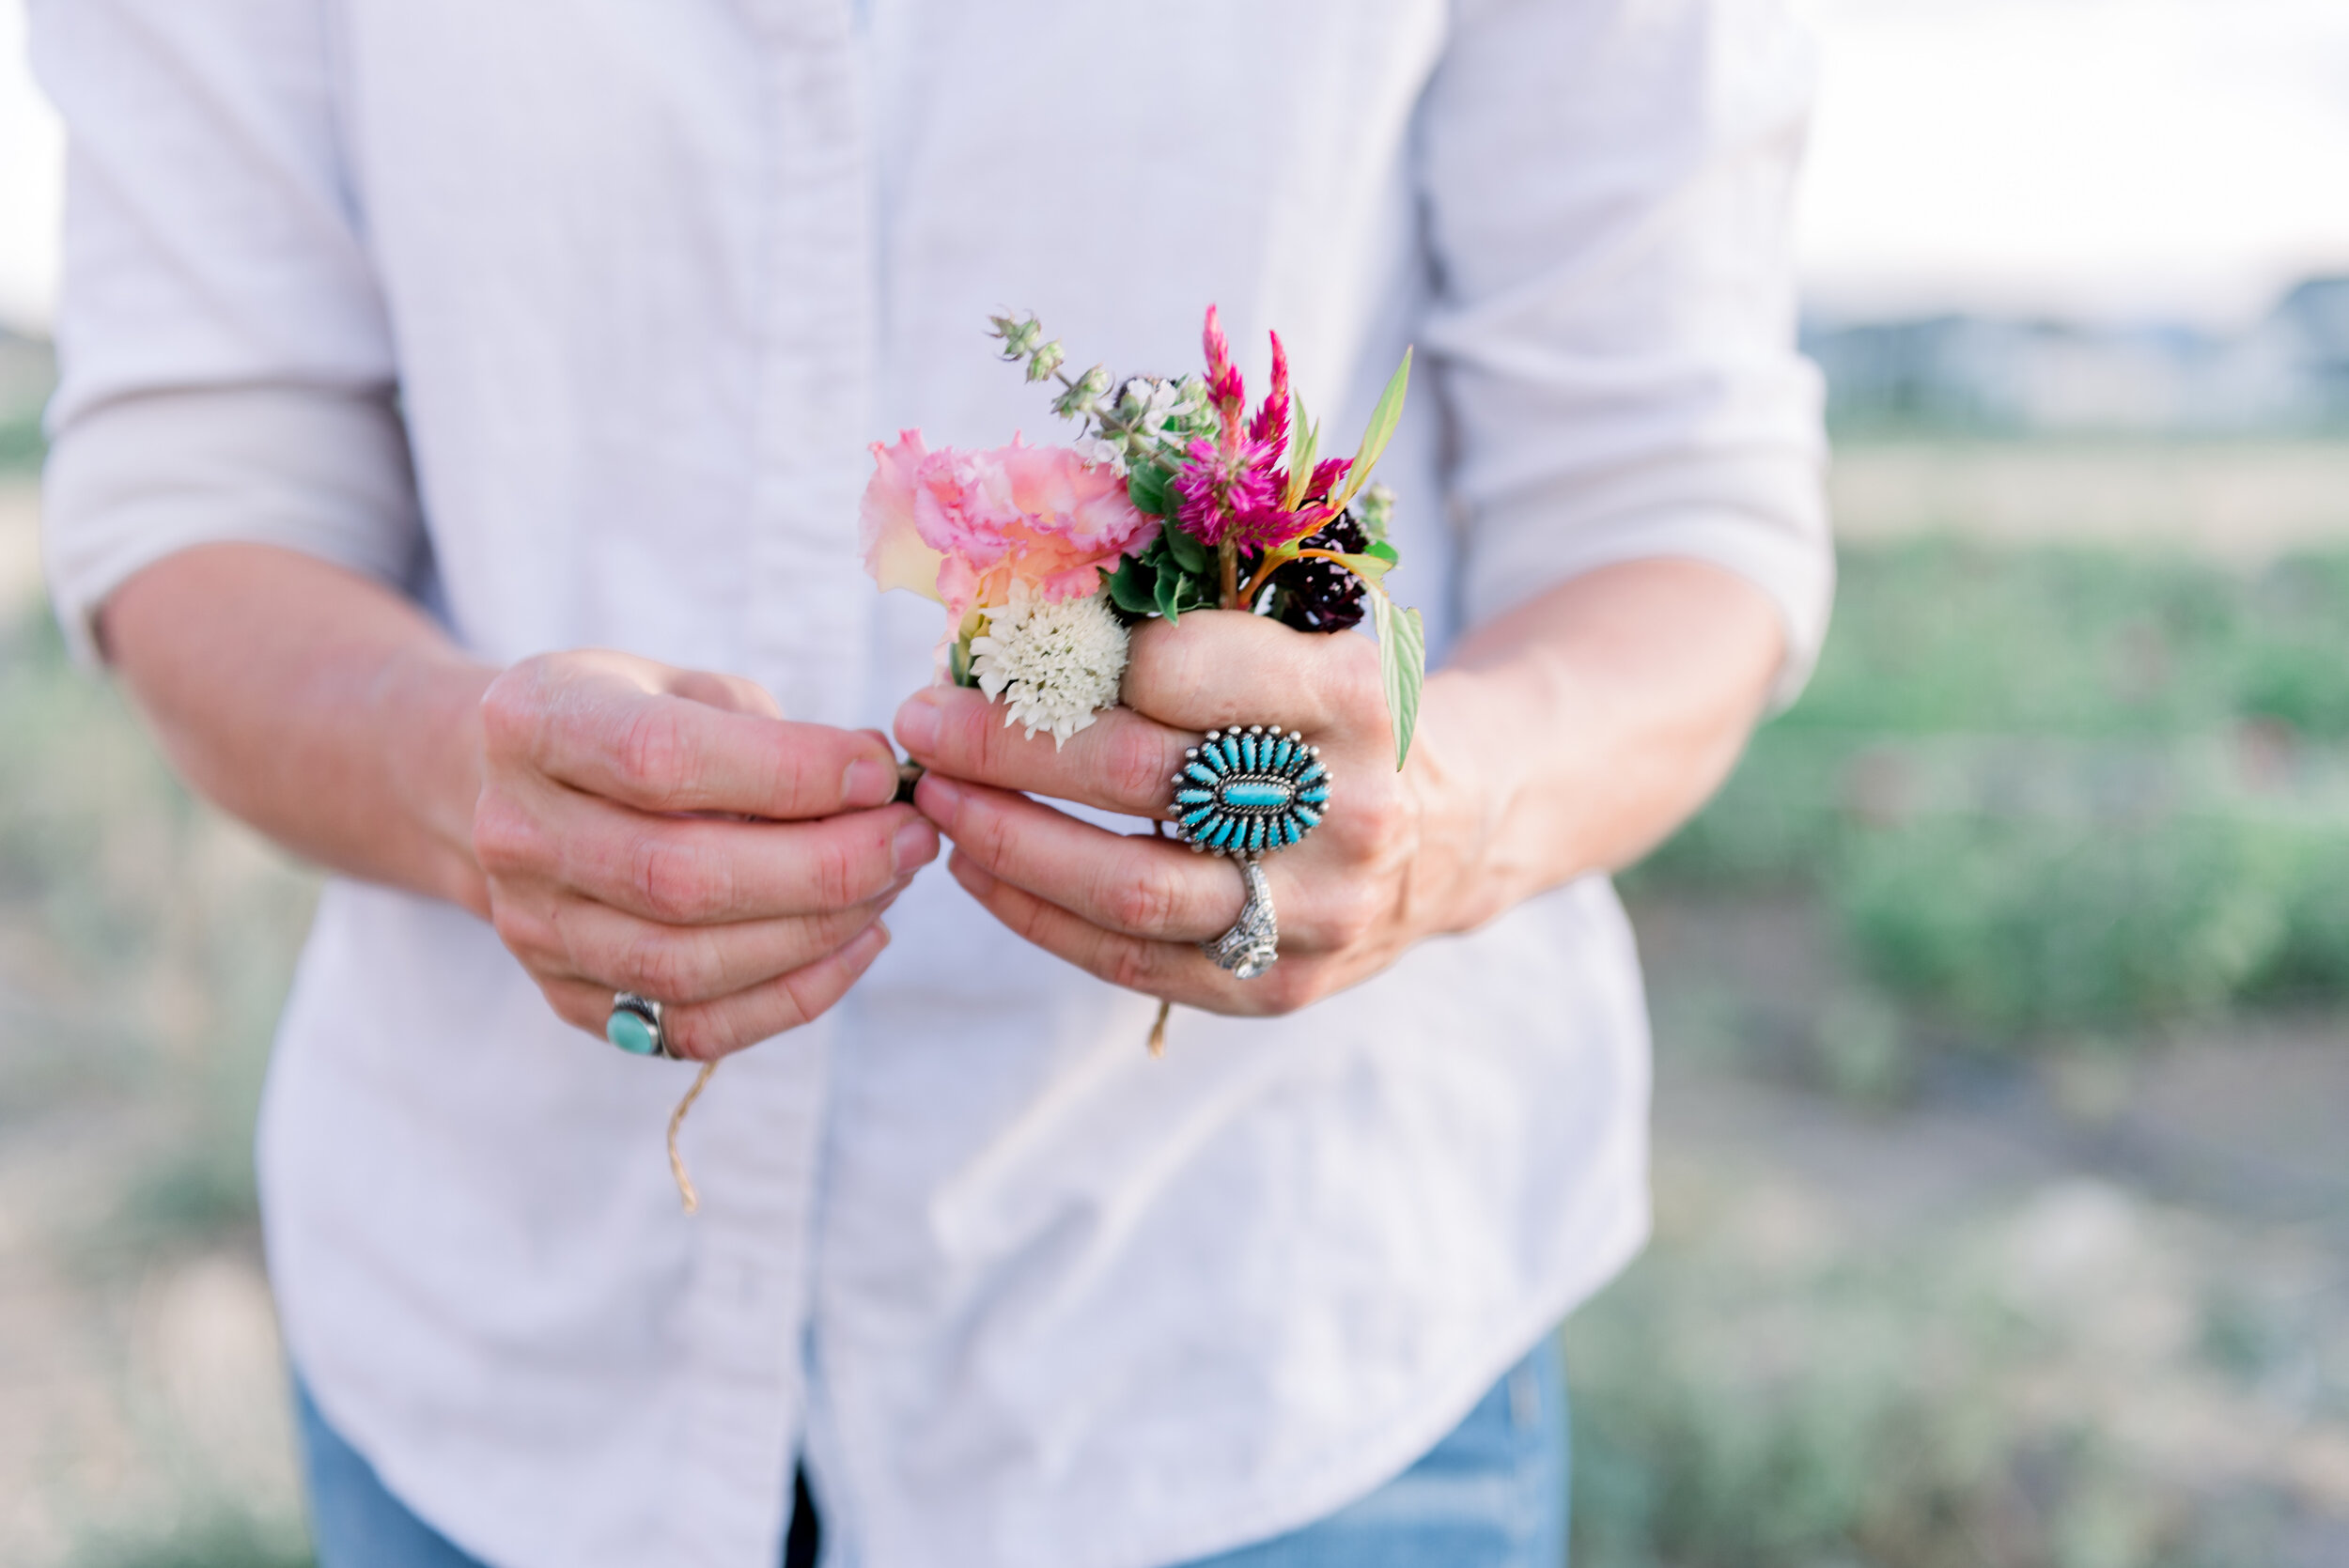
pixel 1962 374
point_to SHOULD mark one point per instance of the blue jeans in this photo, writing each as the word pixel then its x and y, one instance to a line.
pixel 1491 1494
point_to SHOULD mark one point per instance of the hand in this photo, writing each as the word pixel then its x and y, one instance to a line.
pixel 665 832
pixel 1390 863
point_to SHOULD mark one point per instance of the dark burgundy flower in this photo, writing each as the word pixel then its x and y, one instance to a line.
pixel 1321 595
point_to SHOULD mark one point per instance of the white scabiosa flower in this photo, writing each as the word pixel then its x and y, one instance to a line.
pixel 1053 665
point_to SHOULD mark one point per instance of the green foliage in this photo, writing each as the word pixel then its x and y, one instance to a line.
pixel 1303 446
pixel 1187 553
pixel 224 1540
pixel 1401 666
pixel 1151 488
pixel 157 940
pixel 1383 419
pixel 23 448
pixel 2025 925
pixel 2052 790
pixel 1873 1410
pixel 1175 574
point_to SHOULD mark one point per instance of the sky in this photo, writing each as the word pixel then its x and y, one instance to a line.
pixel 2113 159
pixel 2122 160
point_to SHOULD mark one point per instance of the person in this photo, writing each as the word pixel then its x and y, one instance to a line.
pixel 457 453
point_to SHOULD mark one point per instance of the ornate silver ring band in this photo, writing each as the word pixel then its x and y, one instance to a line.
pixel 1253 945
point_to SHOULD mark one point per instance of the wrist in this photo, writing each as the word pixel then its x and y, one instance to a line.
pixel 426 704
pixel 1469 776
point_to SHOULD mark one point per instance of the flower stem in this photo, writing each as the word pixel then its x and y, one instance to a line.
pixel 1227 555
pixel 1273 561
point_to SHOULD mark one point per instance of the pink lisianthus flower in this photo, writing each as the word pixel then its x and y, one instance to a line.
pixel 962 526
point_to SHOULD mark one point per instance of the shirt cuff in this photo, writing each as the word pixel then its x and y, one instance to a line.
pixel 136 478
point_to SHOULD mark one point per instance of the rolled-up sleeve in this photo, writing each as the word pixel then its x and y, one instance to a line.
pixel 226 366
pixel 1607 187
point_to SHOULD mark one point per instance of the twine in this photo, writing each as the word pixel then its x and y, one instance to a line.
pixel 677 1119
pixel 1158 1030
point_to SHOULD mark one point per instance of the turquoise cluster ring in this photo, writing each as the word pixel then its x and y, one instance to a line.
pixel 634 1026
pixel 1247 794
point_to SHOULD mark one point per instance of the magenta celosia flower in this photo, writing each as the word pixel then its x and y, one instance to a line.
pixel 1232 487
pixel 1223 386
pixel 961 526
pixel 1218 484
pixel 1271 424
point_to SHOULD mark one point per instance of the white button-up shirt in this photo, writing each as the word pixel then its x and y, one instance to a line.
pixel 574 320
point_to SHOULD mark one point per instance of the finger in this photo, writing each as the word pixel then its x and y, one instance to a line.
pixel 1121 762
pixel 687 964
pixel 1174 971
pixel 710 1030
pixel 698 871
pixel 1138 887
pixel 1170 970
pixel 1225 669
pixel 707 1031
pixel 733 693
pixel 581 1003
pixel 608 725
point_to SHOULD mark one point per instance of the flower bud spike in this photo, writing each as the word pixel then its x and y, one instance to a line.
pixel 1271 424
pixel 1223 384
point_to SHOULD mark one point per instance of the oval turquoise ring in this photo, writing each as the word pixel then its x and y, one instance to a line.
pixel 634 1026
pixel 1246 793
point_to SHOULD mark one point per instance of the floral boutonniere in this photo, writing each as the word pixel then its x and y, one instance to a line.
pixel 1175 496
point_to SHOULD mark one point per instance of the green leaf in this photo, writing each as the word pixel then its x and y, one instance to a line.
pixel 1304 440
pixel 1275 558
pixel 1385 551
pixel 1402 668
pixel 1151 489
pixel 1189 553
pixel 1133 588
pixel 959 664
pixel 1382 423
pixel 1169 594
pixel 1370 569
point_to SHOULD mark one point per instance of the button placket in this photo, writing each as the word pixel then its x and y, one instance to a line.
pixel 809 610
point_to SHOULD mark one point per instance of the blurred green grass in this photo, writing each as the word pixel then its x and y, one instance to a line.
pixel 146 945
pixel 1907 1405
pixel 2052 791
pixel 21 445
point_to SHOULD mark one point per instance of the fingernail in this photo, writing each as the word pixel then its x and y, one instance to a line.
pixel 868 783
pixel 918 722
pixel 870 942
pixel 916 844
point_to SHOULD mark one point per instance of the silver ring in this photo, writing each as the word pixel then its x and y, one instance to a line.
pixel 634 1026
pixel 1253 945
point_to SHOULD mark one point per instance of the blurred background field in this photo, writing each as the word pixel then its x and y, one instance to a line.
pixel 145 947
pixel 2001 998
